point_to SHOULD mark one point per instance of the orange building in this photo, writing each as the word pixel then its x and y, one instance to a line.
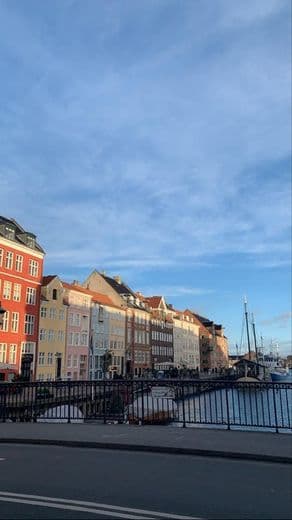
pixel 21 271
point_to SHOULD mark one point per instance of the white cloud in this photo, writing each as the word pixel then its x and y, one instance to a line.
pixel 152 153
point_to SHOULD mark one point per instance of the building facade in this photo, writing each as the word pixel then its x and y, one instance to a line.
pixel 186 344
pixel 77 334
pixel 51 362
pixel 161 333
pixel 21 271
pixel 107 338
pixel 137 342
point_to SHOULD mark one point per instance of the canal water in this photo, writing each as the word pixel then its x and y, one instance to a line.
pixel 244 408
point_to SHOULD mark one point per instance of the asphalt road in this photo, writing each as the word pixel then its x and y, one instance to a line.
pixel 87 483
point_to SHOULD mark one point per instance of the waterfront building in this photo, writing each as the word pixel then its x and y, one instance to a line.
pixel 161 332
pixel 51 362
pixel 137 336
pixel 77 334
pixel 213 343
pixel 107 338
pixel 21 271
pixel 186 345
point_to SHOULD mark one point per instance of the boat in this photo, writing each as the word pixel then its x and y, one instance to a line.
pixel 281 375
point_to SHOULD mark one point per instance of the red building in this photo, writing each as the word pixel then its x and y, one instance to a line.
pixel 21 271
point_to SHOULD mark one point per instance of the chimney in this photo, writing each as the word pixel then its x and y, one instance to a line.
pixel 118 279
pixel 75 282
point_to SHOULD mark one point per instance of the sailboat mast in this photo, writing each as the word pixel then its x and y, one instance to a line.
pixel 255 338
pixel 247 328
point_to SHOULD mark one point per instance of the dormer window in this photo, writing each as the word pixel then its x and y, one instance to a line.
pixel 31 242
pixel 55 294
pixel 10 232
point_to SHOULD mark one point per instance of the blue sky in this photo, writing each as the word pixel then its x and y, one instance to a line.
pixel 152 139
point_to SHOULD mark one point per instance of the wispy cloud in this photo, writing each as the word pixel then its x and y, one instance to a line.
pixel 281 320
pixel 176 290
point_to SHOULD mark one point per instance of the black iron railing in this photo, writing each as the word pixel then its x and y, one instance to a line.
pixel 228 404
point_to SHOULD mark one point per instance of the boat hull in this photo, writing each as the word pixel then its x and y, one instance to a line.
pixel 277 377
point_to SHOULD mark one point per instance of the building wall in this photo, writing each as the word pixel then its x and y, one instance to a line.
pixel 52 332
pixel 20 296
pixel 107 336
pixel 77 338
pixel 186 344
pixel 138 345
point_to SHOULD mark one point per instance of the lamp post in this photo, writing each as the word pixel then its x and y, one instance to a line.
pixel 2 312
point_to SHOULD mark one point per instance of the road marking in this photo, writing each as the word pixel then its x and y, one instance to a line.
pixel 73 508
pixel 64 501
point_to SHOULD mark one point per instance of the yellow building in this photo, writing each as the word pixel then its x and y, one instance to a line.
pixel 52 331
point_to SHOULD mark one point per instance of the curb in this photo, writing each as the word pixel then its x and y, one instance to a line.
pixel 152 449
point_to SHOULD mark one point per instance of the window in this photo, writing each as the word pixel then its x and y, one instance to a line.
pixel 43 334
pixel 9 260
pixel 60 335
pixel 33 268
pixel 61 315
pixel 75 361
pixel 16 292
pixel 70 318
pixel 1 256
pixel 43 312
pixel 41 358
pixel 69 361
pixel 12 354
pixel 29 324
pixel 30 296
pixel 5 321
pixel 53 313
pixel 3 347
pixel 55 294
pixel 50 358
pixel 51 335
pixel 7 290
pixel 84 324
pixel 19 263
pixel 76 339
pixel 84 339
pixel 77 320
pixel 28 347
pixel 71 338
pixel 15 321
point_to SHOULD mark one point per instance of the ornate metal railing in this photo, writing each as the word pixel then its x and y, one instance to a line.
pixel 229 404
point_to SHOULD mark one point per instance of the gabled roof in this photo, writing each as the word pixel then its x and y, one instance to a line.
pixel 153 301
pixel 20 233
pixel 203 329
pixel 123 290
pixel 47 279
pixel 119 287
pixel 96 297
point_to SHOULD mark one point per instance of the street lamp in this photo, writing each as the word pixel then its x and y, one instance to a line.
pixel 2 312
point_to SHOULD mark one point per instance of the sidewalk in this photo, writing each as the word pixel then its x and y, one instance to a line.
pixel 261 446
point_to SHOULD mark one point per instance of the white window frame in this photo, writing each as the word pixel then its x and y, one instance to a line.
pixel 5 324
pixel 33 268
pixel 31 295
pixel 7 287
pixel 12 353
pixel 3 352
pixel 19 263
pixel 29 323
pixel 14 321
pixel 16 292
pixel 9 260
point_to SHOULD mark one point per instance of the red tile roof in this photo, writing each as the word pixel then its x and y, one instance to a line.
pixel 153 301
pixel 96 297
pixel 47 279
